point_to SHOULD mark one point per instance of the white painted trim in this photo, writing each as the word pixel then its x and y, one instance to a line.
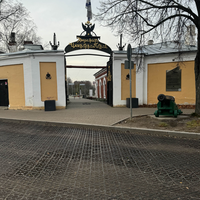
pixel 105 75
pixel 100 89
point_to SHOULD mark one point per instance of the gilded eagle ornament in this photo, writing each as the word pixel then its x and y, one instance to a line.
pixel 88 28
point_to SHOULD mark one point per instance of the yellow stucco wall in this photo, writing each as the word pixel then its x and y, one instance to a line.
pixel 125 84
pixel 48 86
pixel 157 82
pixel 15 76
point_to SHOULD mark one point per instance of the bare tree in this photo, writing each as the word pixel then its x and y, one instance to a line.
pixel 87 85
pixel 163 20
pixel 8 9
pixel 17 21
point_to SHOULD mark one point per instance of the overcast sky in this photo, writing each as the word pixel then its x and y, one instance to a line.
pixel 64 17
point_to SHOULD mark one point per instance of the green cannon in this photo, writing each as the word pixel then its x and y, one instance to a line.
pixel 167 106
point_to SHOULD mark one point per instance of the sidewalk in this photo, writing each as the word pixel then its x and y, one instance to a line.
pixel 81 111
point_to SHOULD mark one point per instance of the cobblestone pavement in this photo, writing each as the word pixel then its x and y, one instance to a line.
pixel 54 162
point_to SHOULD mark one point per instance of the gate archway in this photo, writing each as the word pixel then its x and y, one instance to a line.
pixel 88 40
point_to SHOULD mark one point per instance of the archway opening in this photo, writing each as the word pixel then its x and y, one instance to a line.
pixel 89 41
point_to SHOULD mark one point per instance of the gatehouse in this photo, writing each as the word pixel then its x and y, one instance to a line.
pixel 31 76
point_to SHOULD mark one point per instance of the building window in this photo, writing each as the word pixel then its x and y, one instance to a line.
pixel 173 79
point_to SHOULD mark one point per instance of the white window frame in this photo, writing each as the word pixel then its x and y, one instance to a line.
pixel 100 89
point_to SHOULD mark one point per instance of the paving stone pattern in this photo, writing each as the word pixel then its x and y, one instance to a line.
pixel 54 162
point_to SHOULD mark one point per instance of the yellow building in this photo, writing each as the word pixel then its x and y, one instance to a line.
pixel 181 88
pixel 28 78
pixel 161 69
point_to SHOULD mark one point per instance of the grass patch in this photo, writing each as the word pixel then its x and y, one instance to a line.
pixel 163 124
pixel 193 124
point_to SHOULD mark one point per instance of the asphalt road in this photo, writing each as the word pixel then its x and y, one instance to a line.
pixel 54 162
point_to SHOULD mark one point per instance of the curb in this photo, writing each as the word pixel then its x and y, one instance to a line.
pixel 155 132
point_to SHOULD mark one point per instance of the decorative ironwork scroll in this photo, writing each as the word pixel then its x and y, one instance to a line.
pixel 109 76
pixel 54 46
pixel 88 41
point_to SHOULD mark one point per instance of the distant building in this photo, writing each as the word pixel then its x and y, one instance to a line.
pixel 101 84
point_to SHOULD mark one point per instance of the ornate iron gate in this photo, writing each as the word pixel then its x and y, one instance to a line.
pixel 109 83
pixel 91 41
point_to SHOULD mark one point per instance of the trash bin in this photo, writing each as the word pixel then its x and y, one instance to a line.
pixel 49 105
pixel 134 102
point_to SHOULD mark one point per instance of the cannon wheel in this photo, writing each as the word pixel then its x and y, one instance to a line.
pixel 175 113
